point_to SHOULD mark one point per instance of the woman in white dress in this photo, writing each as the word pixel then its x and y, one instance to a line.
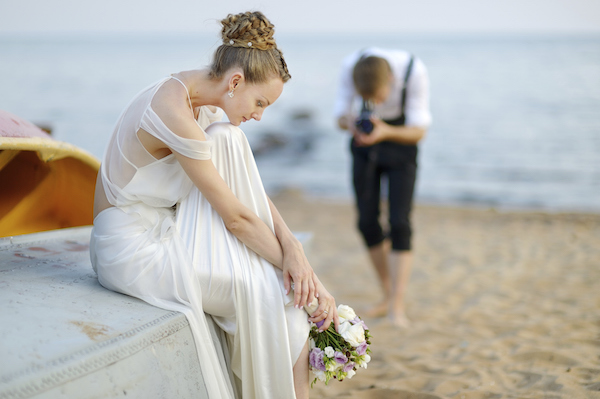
pixel 182 220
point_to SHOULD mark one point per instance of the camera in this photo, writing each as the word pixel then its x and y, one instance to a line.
pixel 363 122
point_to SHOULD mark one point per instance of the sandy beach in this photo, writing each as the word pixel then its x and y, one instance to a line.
pixel 503 304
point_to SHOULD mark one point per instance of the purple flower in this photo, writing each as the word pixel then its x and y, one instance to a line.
pixel 362 348
pixel 348 367
pixel 315 359
pixel 312 357
pixel 358 320
pixel 340 357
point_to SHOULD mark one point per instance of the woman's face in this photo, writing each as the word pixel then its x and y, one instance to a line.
pixel 250 100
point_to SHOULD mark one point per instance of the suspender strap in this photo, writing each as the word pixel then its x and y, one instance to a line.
pixel 365 105
pixel 403 97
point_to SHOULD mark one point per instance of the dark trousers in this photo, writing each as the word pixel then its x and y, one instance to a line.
pixel 398 163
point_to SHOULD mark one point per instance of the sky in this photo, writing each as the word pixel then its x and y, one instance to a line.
pixel 306 16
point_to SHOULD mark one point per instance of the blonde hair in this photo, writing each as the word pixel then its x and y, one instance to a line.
pixel 248 44
pixel 370 74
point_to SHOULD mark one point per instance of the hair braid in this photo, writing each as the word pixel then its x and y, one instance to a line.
pixel 250 27
pixel 248 43
pixel 283 66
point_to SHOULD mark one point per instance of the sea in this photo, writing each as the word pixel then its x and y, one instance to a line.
pixel 516 119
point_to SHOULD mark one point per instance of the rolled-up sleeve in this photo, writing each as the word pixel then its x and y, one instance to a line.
pixel 417 97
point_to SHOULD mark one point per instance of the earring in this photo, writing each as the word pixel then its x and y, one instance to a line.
pixel 230 94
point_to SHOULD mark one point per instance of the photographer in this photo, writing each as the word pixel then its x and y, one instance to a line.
pixel 383 100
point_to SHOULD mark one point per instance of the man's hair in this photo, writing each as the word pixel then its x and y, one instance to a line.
pixel 369 74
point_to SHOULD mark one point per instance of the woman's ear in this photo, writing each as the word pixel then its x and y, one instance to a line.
pixel 235 79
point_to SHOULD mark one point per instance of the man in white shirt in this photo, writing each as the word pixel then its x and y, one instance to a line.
pixel 383 101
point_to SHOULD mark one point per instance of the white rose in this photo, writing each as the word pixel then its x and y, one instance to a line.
pixel 346 312
pixel 350 374
pixel 320 375
pixel 353 334
pixel 344 325
pixel 329 352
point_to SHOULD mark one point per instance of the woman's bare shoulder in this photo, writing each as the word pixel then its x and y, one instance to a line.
pixel 172 106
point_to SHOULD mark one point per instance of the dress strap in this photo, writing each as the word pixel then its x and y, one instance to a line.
pixel 187 92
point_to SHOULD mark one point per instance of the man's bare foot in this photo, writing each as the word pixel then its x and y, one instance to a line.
pixel 400 320
pixel 379 310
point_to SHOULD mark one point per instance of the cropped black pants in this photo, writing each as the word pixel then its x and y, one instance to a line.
pixel 398 164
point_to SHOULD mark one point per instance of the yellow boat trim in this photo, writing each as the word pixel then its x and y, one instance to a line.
pixel 48 149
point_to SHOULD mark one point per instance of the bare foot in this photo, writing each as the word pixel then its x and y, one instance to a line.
pixel 400 320
pixel 379 310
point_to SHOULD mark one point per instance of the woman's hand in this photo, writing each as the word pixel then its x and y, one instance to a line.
pixel 327 309
pixel 297 272
pixel 298 275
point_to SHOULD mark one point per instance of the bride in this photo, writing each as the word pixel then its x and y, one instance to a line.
pixel 182 221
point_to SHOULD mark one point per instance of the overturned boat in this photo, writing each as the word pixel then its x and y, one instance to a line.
pixel 62 335
pixel 45 184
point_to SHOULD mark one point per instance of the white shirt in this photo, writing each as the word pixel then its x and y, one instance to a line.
pixel 416 109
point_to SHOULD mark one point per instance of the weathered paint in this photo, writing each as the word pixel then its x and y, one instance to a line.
pixel 62 335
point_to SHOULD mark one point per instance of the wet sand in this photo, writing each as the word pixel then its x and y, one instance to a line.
pixel 503 304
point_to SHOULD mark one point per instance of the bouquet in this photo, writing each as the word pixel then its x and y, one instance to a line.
pixel 336 354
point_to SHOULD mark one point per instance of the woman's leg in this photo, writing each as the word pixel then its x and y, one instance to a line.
pixel 254 286
pixel 301 378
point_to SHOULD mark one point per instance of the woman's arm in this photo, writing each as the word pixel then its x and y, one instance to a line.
pixel 294 254
pixel 174 111
pixel 171 105
pixel 282 252
pixel 295 264
pixel 238 219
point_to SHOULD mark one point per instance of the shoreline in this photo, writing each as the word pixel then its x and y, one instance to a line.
pixel 306 195
pixel 503 304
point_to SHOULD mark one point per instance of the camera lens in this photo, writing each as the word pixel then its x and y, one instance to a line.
pixel 366 126
pixel 363 123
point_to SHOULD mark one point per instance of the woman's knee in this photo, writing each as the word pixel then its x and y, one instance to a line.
pixel 219 130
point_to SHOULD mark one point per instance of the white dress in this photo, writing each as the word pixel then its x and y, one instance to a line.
pixel 162 242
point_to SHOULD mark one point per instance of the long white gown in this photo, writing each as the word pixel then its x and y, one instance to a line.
pixel 162 242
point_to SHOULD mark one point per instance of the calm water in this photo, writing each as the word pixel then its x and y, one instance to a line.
pixel 516 119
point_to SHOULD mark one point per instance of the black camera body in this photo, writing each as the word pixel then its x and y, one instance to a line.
pixel 363 122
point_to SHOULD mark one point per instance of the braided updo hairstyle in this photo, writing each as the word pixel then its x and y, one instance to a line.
pixel 248 44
